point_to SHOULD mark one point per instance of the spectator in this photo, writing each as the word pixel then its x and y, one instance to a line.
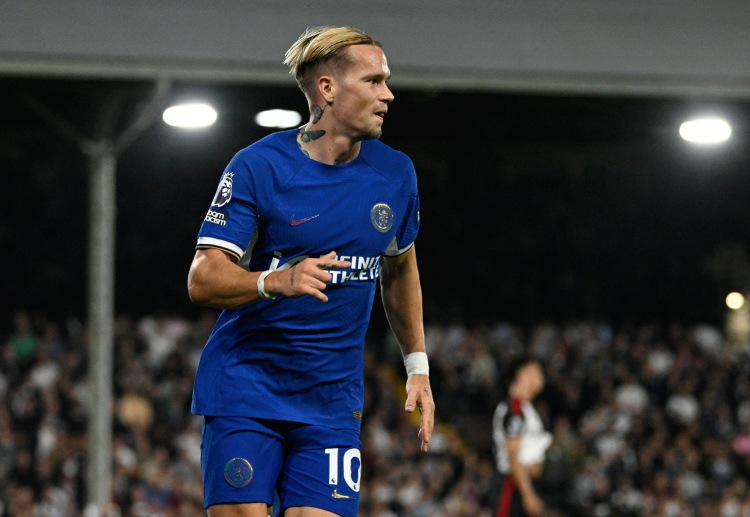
pixel 611 455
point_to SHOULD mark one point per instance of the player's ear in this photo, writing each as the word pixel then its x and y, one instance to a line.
pixel 326 87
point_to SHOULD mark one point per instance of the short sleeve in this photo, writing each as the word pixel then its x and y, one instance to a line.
pixel 232 218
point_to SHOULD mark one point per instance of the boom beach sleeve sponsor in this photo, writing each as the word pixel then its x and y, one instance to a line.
pixel 216 218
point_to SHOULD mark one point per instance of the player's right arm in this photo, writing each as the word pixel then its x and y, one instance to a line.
pixel 215 280
pixel 531 502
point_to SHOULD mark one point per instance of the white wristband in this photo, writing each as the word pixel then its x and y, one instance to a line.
pixel 416 363
pixel 262 286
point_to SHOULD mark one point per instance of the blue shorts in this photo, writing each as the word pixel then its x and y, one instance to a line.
pixel 284 464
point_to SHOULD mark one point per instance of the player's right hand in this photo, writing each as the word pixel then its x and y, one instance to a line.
pixel 308 277
pixel 533 505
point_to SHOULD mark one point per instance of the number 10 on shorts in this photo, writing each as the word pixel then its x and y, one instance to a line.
pixel 350 461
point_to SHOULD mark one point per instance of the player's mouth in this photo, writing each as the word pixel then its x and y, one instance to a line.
pixel 380 114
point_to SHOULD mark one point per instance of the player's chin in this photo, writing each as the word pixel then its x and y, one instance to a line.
pixel 371 129
pixel 372 134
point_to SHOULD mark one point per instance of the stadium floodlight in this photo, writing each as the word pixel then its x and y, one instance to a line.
pixel 278 118
pixel 706 131
pixel 735 301
pixel 190 116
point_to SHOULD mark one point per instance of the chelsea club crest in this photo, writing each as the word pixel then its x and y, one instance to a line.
pixel 381 216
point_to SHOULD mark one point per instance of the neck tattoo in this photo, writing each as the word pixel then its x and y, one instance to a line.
pixel 307 134
pixel 317 113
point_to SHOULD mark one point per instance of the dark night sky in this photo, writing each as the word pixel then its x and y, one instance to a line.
pixel 533 207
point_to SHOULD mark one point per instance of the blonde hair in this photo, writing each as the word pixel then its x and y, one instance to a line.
pixel 322 45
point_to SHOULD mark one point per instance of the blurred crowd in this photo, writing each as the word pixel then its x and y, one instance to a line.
pixel 647 421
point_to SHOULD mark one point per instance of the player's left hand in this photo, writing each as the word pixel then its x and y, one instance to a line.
pixel 419 395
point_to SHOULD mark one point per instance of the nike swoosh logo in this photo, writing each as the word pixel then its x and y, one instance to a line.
pixel 296 222
pixel 336 495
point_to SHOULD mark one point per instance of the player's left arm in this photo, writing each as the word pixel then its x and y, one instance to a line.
pixel 402 300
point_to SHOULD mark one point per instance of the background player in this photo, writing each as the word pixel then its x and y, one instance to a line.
pixel 303 224
pixel 520 440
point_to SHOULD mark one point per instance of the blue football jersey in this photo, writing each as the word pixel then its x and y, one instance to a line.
pixel 299 359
